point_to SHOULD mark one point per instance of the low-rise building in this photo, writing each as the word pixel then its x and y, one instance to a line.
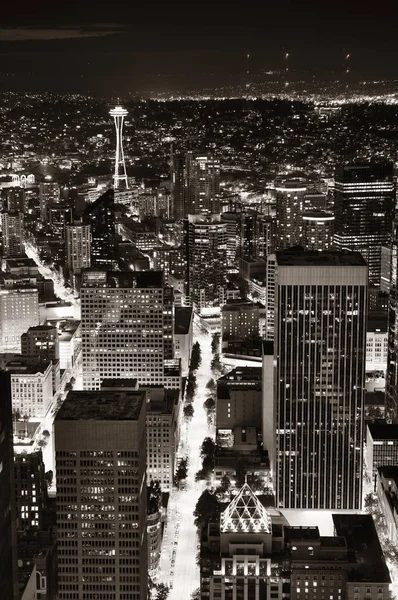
pixel 183 336
pixel 381 446
pixel 387 494
pixel 239 398
pixel 31 385
pixel 377 341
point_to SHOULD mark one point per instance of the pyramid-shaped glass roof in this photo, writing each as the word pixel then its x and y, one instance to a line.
pixel 245 514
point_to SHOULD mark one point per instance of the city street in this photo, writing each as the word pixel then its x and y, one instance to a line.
pixel 178 566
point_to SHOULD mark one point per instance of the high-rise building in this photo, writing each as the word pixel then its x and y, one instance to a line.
pixel 31 385
pixel 289 208
pixel 49 193
pixel 392 359
pixel 320 345
pixel 16 199
pixel 318 227
pixel 12 224
pixel 196 184
pixel 364 201
pixel 101 496
pixel 42 341
pixel 127 328
pixel 78 247
pixel 31 489
pixel 19 310
pixel 8 542
pixel 100 215
pixel 206 258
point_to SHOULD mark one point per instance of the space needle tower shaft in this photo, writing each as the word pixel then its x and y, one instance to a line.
pixel 118 113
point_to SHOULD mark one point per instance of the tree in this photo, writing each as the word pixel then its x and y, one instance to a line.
pixel 215 364
pixel 162 591
pixel 208 447
pixel 215 342
pixel 256 483
pixel 46 433
pixel 182 471
pixel 211 385
pixel 42 443
pixel 49 477
pixel 207 506
pixel 225 485
pixel 210 404
pixel 154 496
pixel 191 387
pixel 16 415
pixel 188 411
pixel 196 357
pixel 196 594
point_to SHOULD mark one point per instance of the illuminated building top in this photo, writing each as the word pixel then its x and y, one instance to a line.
pixel 245 514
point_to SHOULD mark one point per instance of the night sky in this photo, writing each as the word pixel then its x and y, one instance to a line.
pixel 116 48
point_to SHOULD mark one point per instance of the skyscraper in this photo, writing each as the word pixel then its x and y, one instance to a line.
pixel 206 243
pixel 364 201
pixel 196 184
pixel 8 543
pixel 320 344
pixel 100 216
pixel 19 310
pixel 13 234
pixel 392 359
pixel 78 247
pixel 318 226
pixel 101 496
pixel 49 194
pixel 42 341
pixel 289 208
pixel 127 328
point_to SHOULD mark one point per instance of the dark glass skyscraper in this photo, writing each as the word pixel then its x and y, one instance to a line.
pixel 196 184
pixel 392 361
pixel 320 338
pixel 100 215
pixel 364 202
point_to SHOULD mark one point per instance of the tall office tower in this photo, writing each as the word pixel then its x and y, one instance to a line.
pixel 42 341
pixel 100 215
pixel 264 236
pixel 16 199
pixel 178 186
pixel 289 208
pixel 13 234
pixel 127 328
pixel 318 227
pixel 19 310
pixel 392 359
pixel 320 344
pixel 202 183
pixel 248 221
pixel 78 247
pixel 119 113
pixel 101 496
pixel 30 488
pixel 206 260
pixel 364 201
pixel 49 194
pixel 8 542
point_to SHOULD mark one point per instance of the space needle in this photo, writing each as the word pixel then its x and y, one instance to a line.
pixel 118 113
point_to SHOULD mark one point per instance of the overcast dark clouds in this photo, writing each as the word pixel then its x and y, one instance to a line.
pixel 121 47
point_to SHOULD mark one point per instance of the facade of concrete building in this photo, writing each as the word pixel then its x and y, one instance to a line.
pixel 78 247
pixel 41 341
pixel 239 399
pixel 381 447
pixel 128 328
pixel 12 225
pixel 31 385
pixel 318 228
pixel 206 247
pixel 183 336
pixel 320 337
pixel 100 448
pixel 30 489
pixel 289 209
pixel 377 341
pixel 154 536
pixel 19 310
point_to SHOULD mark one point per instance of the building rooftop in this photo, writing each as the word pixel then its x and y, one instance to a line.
pixel 298 257
pixel 126 383
pixel 302 533
pixel 123 279
pixel 364 550
pixel 245 514
pixel 102 406
pixel 241 374
pixel 27 365
pixel 182 319
pixel 377 321
pixel 380 431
